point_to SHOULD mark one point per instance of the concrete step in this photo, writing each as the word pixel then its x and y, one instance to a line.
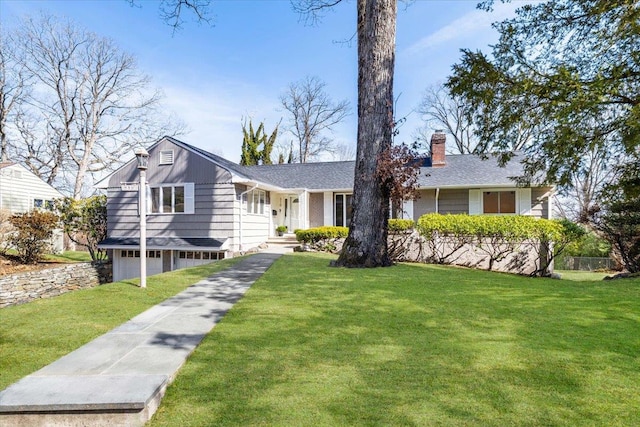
pixel 289 238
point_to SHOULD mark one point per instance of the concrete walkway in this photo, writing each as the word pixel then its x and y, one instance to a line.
pixel 118 379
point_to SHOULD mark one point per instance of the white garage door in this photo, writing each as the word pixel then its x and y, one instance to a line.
pixel 192 258
pixel 126 264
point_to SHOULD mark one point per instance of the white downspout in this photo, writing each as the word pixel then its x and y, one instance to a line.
pixel 240 228
pixel 437 197
pixel 305 210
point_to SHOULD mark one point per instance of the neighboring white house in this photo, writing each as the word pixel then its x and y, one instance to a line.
pixel 21 191
pixel 203 207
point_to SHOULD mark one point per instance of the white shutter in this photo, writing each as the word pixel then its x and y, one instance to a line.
pixel 475 202
pixel 189 198
pixel 524 201
pixel 149 200
pixel 328 208
pixel 407 209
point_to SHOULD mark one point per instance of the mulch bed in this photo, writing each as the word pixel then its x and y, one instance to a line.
pixel 10 264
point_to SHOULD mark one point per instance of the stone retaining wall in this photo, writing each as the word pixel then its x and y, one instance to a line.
pixel 24 287
pixel 411 247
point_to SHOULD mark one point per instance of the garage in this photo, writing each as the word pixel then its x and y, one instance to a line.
pixel 126 264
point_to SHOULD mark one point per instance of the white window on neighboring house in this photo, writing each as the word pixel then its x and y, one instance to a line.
pixel 43 204
pixel 172 198
pixel 256 201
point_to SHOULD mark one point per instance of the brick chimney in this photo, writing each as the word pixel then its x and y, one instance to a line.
pixel 437 149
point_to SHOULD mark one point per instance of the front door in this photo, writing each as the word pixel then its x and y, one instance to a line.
pixel 292 213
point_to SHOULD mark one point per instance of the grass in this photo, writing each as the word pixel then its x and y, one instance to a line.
pixel 414 345
pixel 66 256
pixel 583 276
pixel 35 334
pixel 69 256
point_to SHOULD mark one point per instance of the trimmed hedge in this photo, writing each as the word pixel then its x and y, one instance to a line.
pixel 497 237
pixel 397 225
pixel 512 227
pixel 314 235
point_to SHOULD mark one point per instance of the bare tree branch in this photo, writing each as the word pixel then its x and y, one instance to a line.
pixel 312 11
pixel 313 113
pixel 88 108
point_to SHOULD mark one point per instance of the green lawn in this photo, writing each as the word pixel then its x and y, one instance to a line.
pixel 415 345
pixel 35 334
pixel 69 256
pixel 583 276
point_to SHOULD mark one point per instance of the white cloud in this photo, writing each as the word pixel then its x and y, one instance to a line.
pixel 466 26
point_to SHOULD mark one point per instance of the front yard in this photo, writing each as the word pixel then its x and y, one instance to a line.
pixel 415 345
pixel 405 345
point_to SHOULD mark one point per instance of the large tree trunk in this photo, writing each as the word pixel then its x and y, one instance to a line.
pixel 366 244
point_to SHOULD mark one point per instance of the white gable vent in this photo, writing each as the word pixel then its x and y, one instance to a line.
pixel 166 157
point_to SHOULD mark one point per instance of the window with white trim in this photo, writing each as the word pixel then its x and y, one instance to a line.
pixel 256 200
pixel 343 209
pixel 201 255
pixel 499 202
pixel 136 254
pixel 172 198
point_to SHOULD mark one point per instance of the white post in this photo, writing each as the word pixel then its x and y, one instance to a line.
pixel 143 228
pixel 143 162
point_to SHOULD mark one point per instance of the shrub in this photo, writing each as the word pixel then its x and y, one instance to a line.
pixel 32 233
pixel 400 225
pixel 400 238
pixel 322 238
pixel 445 235
pixel 315 235
pixel 496 236
pixel 85 222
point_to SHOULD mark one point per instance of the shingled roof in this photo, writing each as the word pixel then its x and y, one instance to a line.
pixel 470 170
pixel 459 171
pixel 463 170
pixel 312 176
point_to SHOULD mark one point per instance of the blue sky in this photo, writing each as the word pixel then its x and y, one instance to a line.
pixel 213 76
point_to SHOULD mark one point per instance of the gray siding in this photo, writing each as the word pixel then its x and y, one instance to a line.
pixel 316 210
pixel 425 204
pixel 450 201
pixel 187 167
pixel 453 201
pixel 213 216
pixel 214 198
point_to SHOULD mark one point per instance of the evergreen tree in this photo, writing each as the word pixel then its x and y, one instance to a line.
pixel 256 146
pixel 566 70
